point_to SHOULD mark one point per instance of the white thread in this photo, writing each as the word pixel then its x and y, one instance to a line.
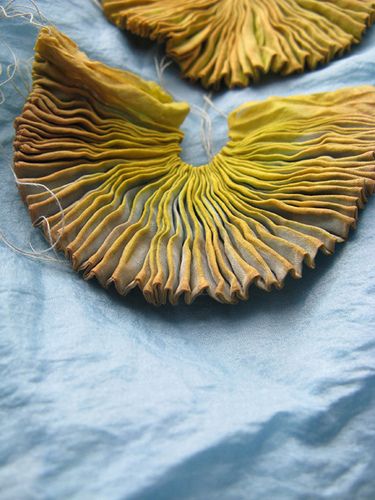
pixel 34 17
pixel 208 100
pixel 15 86
pixel 9 73
pixel 23 71
pixel 206 129
pixel 161 66
pixel 98 4
pixel 58 203
pixel 32 255
pixel 206 122
pixel 51 242
pixel 11 12
pixel 54 244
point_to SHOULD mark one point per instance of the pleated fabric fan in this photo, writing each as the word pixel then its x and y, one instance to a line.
pixel 106 143
pixel 238 41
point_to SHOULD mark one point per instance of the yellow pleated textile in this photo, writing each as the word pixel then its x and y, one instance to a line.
pixel 289 182
pixel 238 41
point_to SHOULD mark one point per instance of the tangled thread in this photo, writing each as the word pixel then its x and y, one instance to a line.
pixel 33 16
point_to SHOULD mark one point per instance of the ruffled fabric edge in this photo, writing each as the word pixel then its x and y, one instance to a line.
pixel 289 182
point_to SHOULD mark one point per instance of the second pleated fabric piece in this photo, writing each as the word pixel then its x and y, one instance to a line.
pixel 239 41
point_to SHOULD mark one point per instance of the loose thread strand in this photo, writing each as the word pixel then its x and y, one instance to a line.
pixel 98 4
pixel 34 17
pixel 206 122
pixel 208 100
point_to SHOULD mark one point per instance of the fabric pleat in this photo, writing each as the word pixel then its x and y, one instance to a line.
pixel 106 144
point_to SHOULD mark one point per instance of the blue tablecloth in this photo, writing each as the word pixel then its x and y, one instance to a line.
pixel 104 397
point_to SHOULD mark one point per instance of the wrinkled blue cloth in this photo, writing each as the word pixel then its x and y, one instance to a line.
pixel 103 397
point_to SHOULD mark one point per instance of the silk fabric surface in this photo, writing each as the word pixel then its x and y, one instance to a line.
pixel 111 398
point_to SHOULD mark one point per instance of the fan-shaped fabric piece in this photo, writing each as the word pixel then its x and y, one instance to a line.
pixel 107 144
pixel 239 40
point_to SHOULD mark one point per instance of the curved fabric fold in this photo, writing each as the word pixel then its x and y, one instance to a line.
pixel 238 41
pixel 106 143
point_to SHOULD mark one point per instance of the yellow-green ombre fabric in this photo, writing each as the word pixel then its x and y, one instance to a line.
pixel 288 183
pixel 238 41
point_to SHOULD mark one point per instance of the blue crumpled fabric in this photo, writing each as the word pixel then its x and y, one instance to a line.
pixel 103 397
